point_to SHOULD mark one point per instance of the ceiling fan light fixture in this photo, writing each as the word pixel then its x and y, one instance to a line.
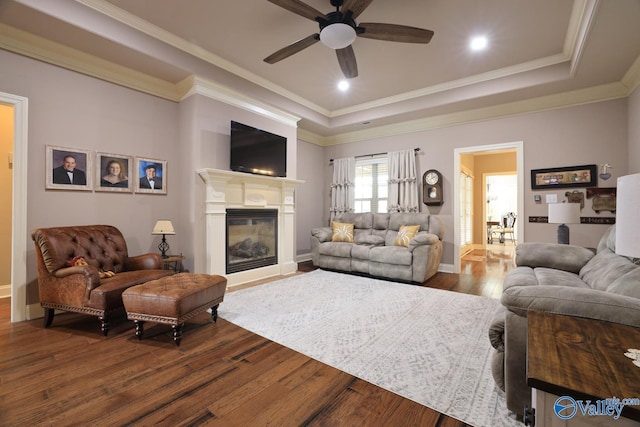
pixel 338 35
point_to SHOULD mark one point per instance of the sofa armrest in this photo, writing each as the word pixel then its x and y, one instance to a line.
pixel 552 255
pixel 579 302
pixel 150 261
pixel 323 234
pixel 422 239
pixel 87 275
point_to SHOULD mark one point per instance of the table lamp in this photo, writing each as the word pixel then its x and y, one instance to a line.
pixel 163 227
pixel 627 212
pixel 564 213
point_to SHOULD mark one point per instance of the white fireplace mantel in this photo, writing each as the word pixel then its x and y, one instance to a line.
pixel 237 190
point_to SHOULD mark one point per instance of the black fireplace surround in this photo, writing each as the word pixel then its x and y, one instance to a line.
pixel 252 239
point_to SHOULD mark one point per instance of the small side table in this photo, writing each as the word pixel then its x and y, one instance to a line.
pixel 572 360
pixel 173 262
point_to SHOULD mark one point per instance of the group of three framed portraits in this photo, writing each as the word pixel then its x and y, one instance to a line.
pixel 76 169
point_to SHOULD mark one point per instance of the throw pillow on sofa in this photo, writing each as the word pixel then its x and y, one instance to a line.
pixel 405 234
pixel 342 232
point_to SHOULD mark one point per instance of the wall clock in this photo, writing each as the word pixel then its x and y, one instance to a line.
pixel 432 188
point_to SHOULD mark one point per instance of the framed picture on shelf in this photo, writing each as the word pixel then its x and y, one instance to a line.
pixel 113 172
pixel 151 176
pixel 68 168
pixel 572 176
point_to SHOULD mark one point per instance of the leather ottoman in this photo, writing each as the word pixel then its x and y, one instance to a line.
pixel 174 299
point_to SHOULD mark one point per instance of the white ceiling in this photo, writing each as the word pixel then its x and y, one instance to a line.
pixel 585 50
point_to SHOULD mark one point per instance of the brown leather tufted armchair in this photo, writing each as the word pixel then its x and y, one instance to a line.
pixel 80 288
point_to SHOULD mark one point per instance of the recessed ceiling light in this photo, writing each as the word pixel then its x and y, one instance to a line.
pixel 343 85
pixel 479 43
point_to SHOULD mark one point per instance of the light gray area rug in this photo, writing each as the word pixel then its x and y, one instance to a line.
pixel 428 345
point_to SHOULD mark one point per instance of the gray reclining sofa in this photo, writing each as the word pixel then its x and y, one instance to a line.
pixel 560 279
pixel 374 251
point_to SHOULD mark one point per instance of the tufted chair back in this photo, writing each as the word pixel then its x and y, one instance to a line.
pixel 102 246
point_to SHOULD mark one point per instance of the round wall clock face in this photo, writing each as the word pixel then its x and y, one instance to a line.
pixel 431 178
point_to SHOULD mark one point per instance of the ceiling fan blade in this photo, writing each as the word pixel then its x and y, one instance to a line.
pixel 296 47
pixel 394 33
pixel 299 8
pixel 347 61
pixel 356 6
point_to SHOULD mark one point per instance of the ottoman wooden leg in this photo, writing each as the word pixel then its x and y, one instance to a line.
pixel 177 333
pixel 214 313
pixel 139 328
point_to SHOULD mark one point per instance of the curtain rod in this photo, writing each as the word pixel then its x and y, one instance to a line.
pixel 375 154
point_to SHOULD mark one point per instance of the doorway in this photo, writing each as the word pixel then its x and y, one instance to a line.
pixel 6 197
pixel 481 156
pixel 19 235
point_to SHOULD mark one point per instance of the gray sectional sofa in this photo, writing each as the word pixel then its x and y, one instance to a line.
pixel 561 279
pixel 373 251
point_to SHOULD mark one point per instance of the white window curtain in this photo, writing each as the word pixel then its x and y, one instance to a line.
pixel 342 186
pixel 403 182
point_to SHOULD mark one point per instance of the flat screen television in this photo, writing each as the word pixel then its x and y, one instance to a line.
pixel 257 151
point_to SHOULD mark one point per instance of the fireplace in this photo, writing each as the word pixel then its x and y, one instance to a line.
pixel 227 190
pixel 252 239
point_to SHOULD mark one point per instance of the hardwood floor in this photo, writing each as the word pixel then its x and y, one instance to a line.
pixel 221 374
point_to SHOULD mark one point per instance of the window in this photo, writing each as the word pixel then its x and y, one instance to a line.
pixel 371 190
pixel 466 209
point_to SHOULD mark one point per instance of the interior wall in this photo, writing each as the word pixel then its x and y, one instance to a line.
pixel 205 129
pixel 310 194
pixel 588 134
pixel 6 193
pixel 68 109
pixel 634 132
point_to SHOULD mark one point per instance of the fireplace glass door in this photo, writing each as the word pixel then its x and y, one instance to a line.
pixel 252 239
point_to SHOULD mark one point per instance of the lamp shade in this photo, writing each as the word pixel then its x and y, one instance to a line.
pixel 163 227
pixel 627 213
pixel 564 213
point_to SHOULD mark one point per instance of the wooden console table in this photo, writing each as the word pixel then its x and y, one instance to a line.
pixel 584 360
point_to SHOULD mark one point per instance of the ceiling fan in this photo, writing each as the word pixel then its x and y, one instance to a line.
pixel 338 30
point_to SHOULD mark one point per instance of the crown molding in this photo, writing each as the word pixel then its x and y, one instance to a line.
pixel 455 84
pixel 545 103
pixel 27 44
pixel 582 16
pixel 193 85
pixel 631 78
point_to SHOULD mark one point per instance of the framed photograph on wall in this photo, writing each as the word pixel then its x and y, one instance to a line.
pixel 68 168
pixel 572 176
pixel 113 172
pixel 151 176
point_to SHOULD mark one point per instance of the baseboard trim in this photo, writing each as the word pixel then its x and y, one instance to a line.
pixel 303 257
pixel 34 311
pixel 446 268
pixel 5 291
